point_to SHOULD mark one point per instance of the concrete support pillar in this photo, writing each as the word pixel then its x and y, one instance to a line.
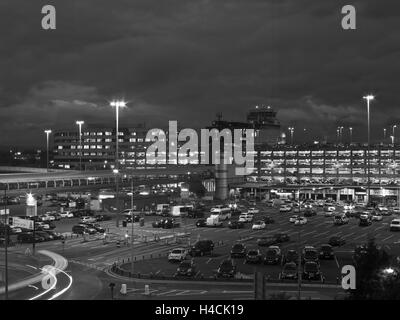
pixel 221 181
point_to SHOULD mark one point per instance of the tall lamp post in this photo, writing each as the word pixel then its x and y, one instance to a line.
pixel 47 132
pixel 394 136
pixel 80 123
pixel 117 104
pixel 384 135
pixel 133 220
pixel 369 98
pixel 6 235
pixel 351 135
pixel 291 130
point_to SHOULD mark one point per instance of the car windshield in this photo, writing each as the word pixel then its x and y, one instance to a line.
pixel 311 267
pixel 310 254
pixel 185 265
pixel 177 251
pixel 271 253
pixel 395 222
pixel 253 253
pixel 290 267
pixel 326 248
pixel 226 265
pixel 237 247
pixel 291 255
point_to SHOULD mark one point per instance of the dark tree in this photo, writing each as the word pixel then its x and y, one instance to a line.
pixel 196 187
pixel 373 281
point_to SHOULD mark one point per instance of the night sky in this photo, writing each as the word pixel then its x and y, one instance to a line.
pixel 186 60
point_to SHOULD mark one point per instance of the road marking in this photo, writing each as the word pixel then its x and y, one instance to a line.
pixel 359 237
pixel 348 235
pixel 167 292
pixel 305 234
pixel 391 236
pixel 320 234
pixel 337 263
pixel 208 261
pixel 28 265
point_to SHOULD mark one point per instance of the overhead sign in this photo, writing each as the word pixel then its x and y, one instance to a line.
pixel 22 223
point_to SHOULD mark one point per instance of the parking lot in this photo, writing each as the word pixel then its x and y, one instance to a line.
pixel 317 231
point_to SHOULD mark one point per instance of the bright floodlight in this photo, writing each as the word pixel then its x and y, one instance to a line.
pixel 388 270
pixel 47 131
pixel 118 103
pixel 79 123
pixel 369 97
pixel 115 171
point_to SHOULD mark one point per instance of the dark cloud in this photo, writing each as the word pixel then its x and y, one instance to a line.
pixel 186 60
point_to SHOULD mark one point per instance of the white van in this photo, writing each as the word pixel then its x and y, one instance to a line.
pixel 222 212
pixel 181 211
pixel 161 208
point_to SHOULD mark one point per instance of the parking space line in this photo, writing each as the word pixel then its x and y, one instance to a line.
pixel 348 235
pixel 359 237
pixel 305 234
pixel 337 263
pixel 167 292
pixel 209 260
pixel 320 234
pixel 391 236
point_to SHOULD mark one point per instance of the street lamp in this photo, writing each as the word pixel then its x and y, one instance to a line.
pixel 47 132
pixel 351 134
pixel 384 135
pixel 394 127
pixel 117 104
pixel 291 130
pixel 80 123
pixel 337 135
pixel 369 98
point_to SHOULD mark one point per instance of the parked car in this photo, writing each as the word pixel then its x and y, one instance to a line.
pixel 309 254
pixel 227 269
pixel 79 229
pixel 170 223
pixel 273 255
pixel 88 219
pixel 300 221
pixel 253 211
pixel 66 214
pixel 268 220
pixel 337 241
pixel 46 236
pixel 377 216
pixel 266 241
pixel 310 212
pixel 253 256
pixel 178 254
pixel 27 237
pixel 365 220
pixel 95 226
pixel 235 224
pixel 246 217
pixel 311 271
pixel 293 218
pixel 186 269
pixel 259 225
pixel 285 208
pixel 395 225
pixel 291 256
pixel 340 219
pixel 102 217
pixel 202 247
pixel 326 252
pixel 55 235
pixel 158 224
pixel 238 250
pixel 289 271
pixel 201 223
